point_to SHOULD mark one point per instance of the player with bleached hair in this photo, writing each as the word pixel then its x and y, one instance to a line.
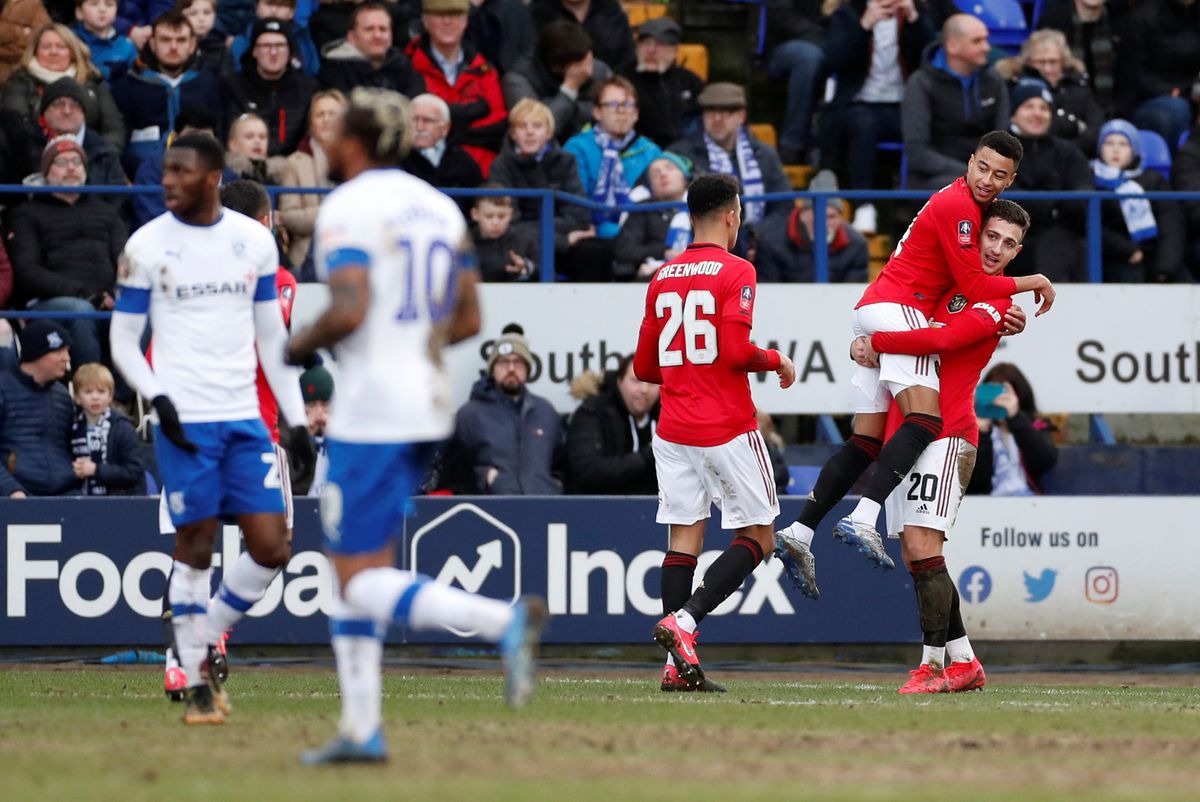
pixel 204 275
pixel 402 284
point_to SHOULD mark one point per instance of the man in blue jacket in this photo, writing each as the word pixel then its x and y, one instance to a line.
pixel 36 415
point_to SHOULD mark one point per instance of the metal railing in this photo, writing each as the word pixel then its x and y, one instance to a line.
pixel 548 199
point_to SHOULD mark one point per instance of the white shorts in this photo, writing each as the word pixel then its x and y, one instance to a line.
pixel 933 490
pixel 165 527
pixel 875 387
pixel 736 476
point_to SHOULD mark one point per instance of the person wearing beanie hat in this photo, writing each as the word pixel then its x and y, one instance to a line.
pixel 1054 244
pixel 57 153
pixel 647 239
pixel 304 55
pixel 666 91
pixel 61 114
pixel 1143 240
pixel 511 342
pixel 36 415
pixel 271 86
pixel 316 386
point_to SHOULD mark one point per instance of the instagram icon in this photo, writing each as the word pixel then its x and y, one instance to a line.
pixel 1100 584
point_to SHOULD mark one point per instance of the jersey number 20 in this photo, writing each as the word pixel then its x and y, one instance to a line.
pixel 682 312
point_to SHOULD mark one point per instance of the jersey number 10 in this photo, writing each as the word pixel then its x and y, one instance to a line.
pixel 682 313
pixel 439 307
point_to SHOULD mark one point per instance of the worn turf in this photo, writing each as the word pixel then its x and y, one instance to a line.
pixel 101 733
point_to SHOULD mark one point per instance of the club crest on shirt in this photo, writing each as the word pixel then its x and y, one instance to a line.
pixel 964 232
pixel 957 304
pixel 747 296
pixel 239 248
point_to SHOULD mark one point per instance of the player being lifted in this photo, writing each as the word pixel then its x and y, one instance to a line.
pixel 205 277
pixel 938 252
pixel 695 342
pixel 922 510
pixel 395 253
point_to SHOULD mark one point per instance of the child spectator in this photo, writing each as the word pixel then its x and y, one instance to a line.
pixel 112 53
pixel 212 51
pixel 647 239
pixel 108 456
pixel 504 252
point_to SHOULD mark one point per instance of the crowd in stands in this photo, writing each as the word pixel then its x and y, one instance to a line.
pixel 566 95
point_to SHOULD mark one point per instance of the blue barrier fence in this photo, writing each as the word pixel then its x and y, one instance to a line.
pixel 548 198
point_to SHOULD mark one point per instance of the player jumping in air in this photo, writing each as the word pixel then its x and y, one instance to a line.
pixel 938 252
pixel 205 277
pixel 695 342
pixel 921 511
pixel 397 258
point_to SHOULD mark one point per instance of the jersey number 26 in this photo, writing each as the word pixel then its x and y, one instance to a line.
pixel 683 312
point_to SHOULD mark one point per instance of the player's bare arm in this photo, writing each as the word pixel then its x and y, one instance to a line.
pixel 349 298
pixel 466 320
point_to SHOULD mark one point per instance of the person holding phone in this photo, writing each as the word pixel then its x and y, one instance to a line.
pixel 1016 447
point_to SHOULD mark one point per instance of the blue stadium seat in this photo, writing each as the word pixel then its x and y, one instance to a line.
pixel 1156 155
pixel 1005 20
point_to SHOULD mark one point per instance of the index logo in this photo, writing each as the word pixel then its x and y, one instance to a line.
pixel 975 584
pixel 1100 584
pixel 1039 587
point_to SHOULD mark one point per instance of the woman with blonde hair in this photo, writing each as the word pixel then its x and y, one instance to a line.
pixel 55 52
pixel 1047 56
pixel 307 167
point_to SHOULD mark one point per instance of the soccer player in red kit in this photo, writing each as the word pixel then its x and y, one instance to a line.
pixel 695 342
pixel 922 510
pixel 937 253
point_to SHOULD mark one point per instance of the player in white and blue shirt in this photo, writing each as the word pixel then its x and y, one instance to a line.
pixel 394 252
pixel 204 276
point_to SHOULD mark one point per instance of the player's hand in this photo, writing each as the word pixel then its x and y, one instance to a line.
pixel 786 372
pixel 1043 294
pixel 169 425
pixel 863 353
pixel 301 454
pixel 1014 321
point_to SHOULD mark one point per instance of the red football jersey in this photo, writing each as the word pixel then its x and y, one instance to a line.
pixel 705 385
pixel 268 407
pixel 939 252
pixel 966 335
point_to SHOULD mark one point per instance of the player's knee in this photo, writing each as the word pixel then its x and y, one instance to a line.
pixel 273 553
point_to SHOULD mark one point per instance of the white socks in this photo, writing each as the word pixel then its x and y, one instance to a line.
pixel 188 593
pixel 800 532
pixel 389 594
pixel 959 650
pixel 866 513
pixel 685 621
pixel 359 653
pixel 244 583
pixel 934 656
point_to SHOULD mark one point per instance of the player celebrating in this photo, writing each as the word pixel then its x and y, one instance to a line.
pixel 938 252
pixel 695 342
pixel 921 515
pixel 402 284
pixel 205 276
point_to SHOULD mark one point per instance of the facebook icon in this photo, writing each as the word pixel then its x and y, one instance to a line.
pixel 975 584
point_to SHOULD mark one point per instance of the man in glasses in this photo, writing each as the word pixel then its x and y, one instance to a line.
pixel 270 86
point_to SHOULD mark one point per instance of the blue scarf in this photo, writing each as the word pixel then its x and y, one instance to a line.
pixel 612 189
pixel 1139 216
pixel 747 170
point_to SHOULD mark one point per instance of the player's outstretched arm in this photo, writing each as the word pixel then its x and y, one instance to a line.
pixel 349 299
pixel 1042 289
pixel 966 329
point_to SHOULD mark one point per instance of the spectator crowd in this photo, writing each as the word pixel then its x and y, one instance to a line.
pixel 566 95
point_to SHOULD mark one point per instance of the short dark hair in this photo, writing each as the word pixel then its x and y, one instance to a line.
pixel 498 200
pixel 194 115
pixel 711 192
pixel 619 81
pixel 206 147
pixel 363 8
pixel 563 42
pixel 246 196
pixel 1009 212
pixel 172 19
pixel 1003 143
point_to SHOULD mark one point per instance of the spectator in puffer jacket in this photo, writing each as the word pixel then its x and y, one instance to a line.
pixel 610 438
pixel 270 86
pixel 506 440
pixel 35 416
pixel 367 57
pixel 112 53
pixel 109 460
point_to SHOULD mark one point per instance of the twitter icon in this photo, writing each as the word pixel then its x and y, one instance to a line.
pixel 1039 587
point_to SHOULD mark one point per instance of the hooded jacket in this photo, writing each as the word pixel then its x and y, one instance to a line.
pixel 282 103
pixel 112 55
pixel 123 470
pixel 603 456
pixel 343 66
pixel 35 436
pixel 944 114
pixel 520 440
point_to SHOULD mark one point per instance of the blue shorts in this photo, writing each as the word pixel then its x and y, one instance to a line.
pixel 233 474
pixel 369 491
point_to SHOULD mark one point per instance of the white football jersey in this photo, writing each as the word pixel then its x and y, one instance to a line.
pixel 203 282
pixel 389 387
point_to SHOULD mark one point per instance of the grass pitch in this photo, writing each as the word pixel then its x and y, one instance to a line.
pixel 107 733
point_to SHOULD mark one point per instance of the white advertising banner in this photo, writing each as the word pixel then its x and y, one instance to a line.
pixel 1077 568
pixel 1116 348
